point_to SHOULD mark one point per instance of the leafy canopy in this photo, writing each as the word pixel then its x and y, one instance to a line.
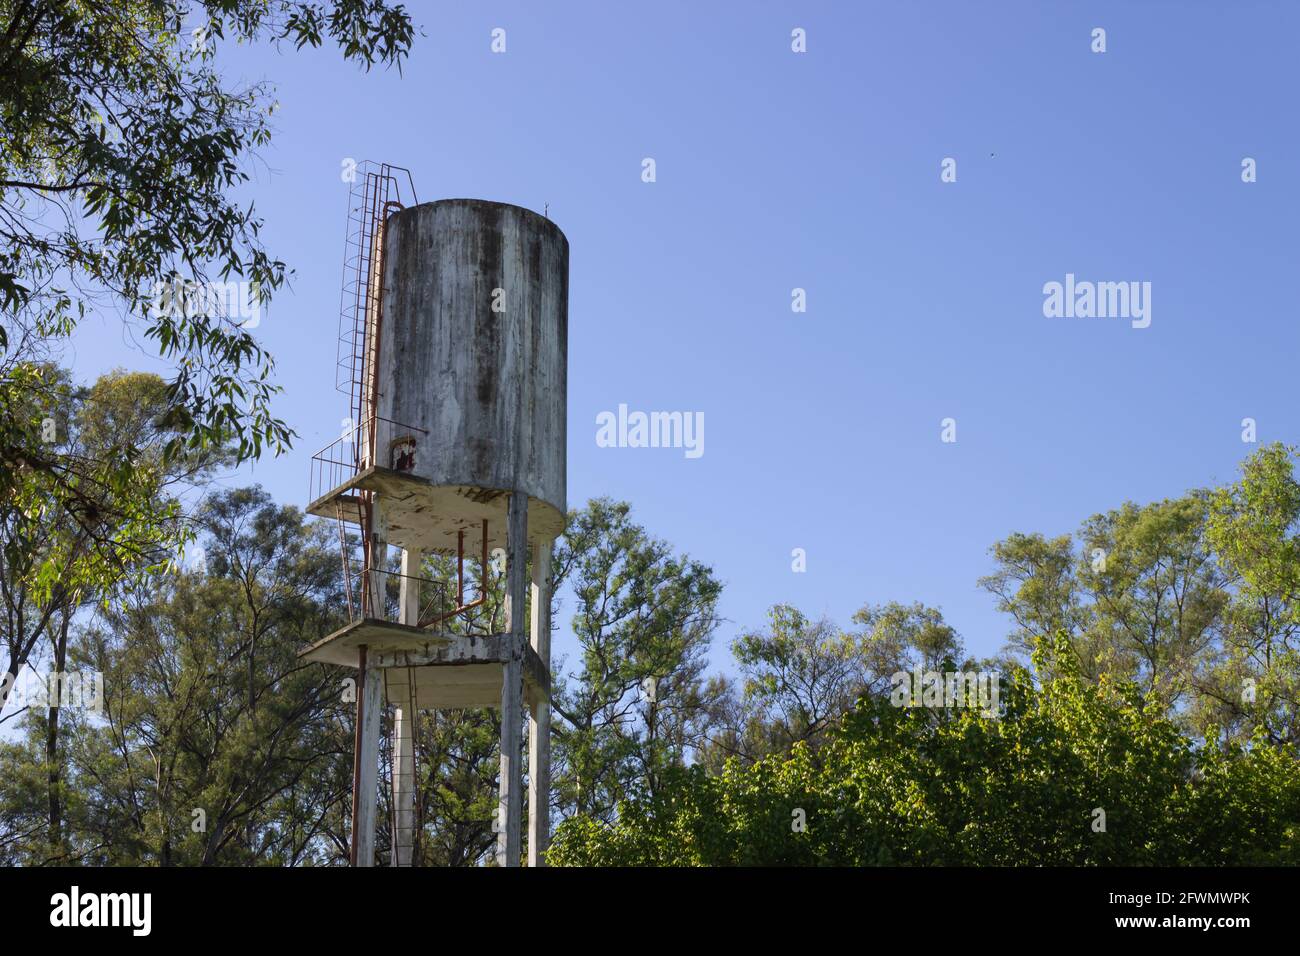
pixel 121 149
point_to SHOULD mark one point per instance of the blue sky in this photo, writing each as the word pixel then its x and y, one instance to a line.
pixel 821 170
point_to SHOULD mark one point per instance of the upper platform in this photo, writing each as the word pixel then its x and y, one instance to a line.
pixel 419 515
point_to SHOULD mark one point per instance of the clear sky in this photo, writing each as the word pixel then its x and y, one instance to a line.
pixel 821 170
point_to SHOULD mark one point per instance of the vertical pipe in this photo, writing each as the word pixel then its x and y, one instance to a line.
pixel 404 717
pixel 510 805
pixel 403 745
pixel 539 724
pixel 370 697
pixel 460 567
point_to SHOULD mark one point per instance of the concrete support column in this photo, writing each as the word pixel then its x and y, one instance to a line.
pixel 404 717
pixel 539 723
pixel 510 800
pixel 370 702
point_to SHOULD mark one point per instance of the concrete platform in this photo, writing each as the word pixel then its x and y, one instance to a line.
pixel 343 646
pixel 417 514
pixel 447 671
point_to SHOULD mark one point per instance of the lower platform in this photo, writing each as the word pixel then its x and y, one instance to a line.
pixel 446 671
pixel 343 647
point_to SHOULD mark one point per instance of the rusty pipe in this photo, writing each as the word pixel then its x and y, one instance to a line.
pixel 460 576
pixel 378 260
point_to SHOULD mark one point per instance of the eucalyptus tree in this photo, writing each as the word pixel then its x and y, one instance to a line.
pixel 122 151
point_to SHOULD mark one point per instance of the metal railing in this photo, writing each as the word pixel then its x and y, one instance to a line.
pixel 351 453
pixel 376 192
pixel 432 596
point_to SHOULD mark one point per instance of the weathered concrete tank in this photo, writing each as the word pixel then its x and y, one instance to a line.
pixel 472 371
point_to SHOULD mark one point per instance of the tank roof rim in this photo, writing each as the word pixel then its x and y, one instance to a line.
pixel 468 200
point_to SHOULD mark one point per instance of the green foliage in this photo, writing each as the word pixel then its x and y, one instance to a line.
pixel 121 149
pixel 95 503
pixel 1196 599
pixel 801 675
pixel 1131 712
pixel 798 673
pixel 637 701
pixel 457 761
pixel 85 501
pixel 206 708
pixel 907 787
pixel 1254 527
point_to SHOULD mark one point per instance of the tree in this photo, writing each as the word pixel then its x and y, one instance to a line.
pixel 1193 598
pixel 1156 593
pixel 120 149
pixel 121 519
pixel 457 762
pixel 801 676
pixel 1074 772
pixel 643 618
pixel 1254 527
pixel 116 515
pixel 215 744
pixel 896 637
pixel 1141 594
pixel 1034 582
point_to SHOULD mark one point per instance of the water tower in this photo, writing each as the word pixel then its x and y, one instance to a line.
pixel 453 351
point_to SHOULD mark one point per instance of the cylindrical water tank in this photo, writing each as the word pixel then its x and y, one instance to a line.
pixel 472 366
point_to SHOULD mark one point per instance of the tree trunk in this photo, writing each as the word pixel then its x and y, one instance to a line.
pixel 53 760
